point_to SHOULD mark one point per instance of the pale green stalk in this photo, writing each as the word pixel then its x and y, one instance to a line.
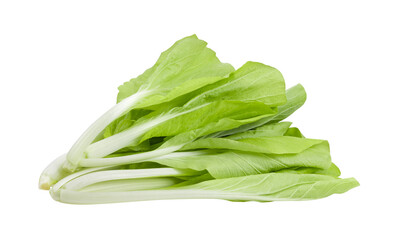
pixel 77 197
pixel 102 176
pixel 133 158
pixel 68 178
pixel 111 144
pixel 76 152
pixel 131 184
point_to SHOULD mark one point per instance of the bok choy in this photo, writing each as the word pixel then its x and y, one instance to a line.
pixel 192 127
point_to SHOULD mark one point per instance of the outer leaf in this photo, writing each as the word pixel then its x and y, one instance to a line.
pixel 262 187
pixel 279 186
pixel 237 163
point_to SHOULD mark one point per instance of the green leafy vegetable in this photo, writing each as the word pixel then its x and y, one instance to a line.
pixel 193 127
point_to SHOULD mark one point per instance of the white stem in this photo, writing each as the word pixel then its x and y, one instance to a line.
pixel 65 180
pixel 77 150
pixel 52 173
pixel 134 158
pixel 102 176
pixel 131 184
pixel 182 154
pixel 76 197
pixel 120 140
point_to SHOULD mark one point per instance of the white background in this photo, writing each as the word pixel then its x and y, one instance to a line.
pixel 62 61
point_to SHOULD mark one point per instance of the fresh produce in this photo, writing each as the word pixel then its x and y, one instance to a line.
pixel 193 127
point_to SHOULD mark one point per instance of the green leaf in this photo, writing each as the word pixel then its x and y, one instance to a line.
pixel 251 82
pixel 186 66
pixel 281 145
pixel 192 135
pixel 277 186
pixel 274 145
pixel 195 118
pixel 267 130
pixel 296 96
pixel 293 132
pixel 237 163
pixel 333 170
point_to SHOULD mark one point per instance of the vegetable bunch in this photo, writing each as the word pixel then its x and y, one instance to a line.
pixel 193 127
